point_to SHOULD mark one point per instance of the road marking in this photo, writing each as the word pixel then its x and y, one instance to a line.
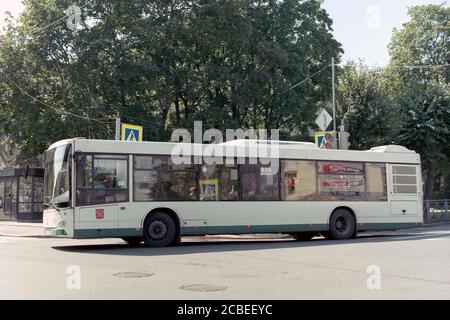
pixel 5 239
pixel 438 238
pixel 31 235
pixel 422 236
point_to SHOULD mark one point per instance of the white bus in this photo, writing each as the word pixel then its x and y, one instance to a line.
pixel 138 192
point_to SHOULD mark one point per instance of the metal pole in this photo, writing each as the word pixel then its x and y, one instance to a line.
pixel 334 93
pixel 117 136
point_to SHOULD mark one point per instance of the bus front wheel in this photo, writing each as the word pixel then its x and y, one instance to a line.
pixel 342 225
pixel 159 230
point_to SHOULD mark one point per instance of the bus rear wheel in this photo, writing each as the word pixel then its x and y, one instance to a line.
pixel 342 225
pixel 159 230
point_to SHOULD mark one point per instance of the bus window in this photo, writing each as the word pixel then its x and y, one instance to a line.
pixel 257 184
pixel 218 182
pixel 157 178
pixel 102 180
pixel 376 182
pixel 341 181
pixel 299 181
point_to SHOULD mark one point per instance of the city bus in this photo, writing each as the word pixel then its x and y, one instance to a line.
pixel 141 192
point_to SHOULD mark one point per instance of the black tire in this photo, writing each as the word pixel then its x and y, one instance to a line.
pixel 133 241
pixel 342 225
pixel 303 236
pixel 159 230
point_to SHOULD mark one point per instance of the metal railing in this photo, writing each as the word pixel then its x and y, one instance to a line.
pixel 438 210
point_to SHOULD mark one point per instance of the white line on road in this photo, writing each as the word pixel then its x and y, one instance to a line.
pixel 437 239
pixel 4 239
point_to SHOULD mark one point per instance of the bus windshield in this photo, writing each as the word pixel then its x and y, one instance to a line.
pixel 57 177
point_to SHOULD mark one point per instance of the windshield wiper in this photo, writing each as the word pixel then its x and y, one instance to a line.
pixel 50 204
pixel 47 205
pixel 57 205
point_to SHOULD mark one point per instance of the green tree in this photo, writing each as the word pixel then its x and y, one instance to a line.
pixel 162 64
pixel 364 107
pixel 421 93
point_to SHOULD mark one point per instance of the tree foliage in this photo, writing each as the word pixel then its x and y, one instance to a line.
pixel 364 107
pixel 422 93
pixel 409 102
pixel 162 64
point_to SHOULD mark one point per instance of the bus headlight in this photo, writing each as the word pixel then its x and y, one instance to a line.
pixel 51 219
pixel 61 224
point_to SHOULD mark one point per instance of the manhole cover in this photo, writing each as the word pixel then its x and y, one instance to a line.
pixel 132 274
pixel 203 287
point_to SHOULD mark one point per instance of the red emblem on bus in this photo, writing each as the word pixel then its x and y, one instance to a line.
pixel 99 214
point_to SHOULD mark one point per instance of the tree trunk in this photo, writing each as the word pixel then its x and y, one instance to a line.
pixel 234 106
pixel 187 108
pixel 177 107
pixel 162 129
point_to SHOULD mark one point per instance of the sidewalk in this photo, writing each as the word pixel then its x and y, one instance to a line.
pixel 21 229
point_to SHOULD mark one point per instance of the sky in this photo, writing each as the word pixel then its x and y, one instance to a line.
pixel 363 27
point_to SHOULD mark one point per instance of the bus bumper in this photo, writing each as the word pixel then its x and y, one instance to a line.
pixel 58 223
pixel 55 232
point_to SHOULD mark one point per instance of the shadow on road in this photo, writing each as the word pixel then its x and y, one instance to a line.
pixel 215 246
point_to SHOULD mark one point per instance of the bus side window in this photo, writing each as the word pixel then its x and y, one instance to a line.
pixel 259 184
pixel 156 178
pixel 376 181
pixel 299 180
pixel 218 182
pixel 341 181
pixel 101 179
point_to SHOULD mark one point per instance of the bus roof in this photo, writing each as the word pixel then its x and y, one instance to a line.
pixel 284 149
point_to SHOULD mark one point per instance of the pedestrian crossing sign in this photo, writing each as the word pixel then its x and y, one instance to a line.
pixel 131 132
pixel 325 140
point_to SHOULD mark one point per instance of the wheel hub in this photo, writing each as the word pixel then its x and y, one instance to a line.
pixel 341 224
pixel 157 229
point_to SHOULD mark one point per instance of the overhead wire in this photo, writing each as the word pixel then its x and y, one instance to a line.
pixel 62 112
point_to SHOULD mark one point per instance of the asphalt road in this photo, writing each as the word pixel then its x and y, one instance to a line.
pixel 412 264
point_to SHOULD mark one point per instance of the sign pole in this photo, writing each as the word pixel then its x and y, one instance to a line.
pixel 117 136
pixel 333 74
pixel 334 93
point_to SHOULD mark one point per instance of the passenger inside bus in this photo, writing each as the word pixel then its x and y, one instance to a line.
pixel 99 188
pixel 249 187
